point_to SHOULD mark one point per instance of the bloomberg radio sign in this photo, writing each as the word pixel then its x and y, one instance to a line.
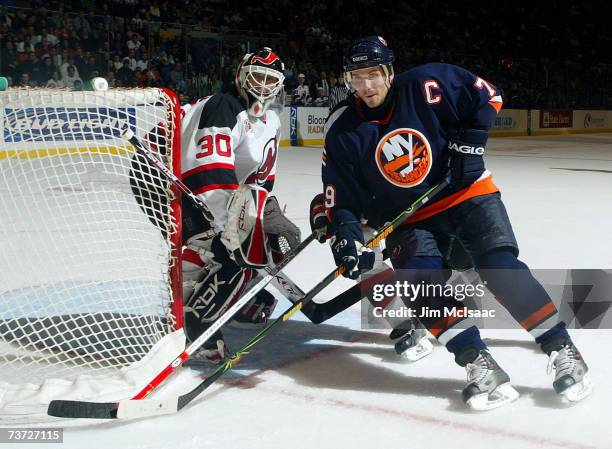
pixel 65 124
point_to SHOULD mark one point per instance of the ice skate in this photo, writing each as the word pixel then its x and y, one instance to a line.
pixel 256 312
pixel 210 353
pixel 412 343
pixel 571 379
pixel 488 385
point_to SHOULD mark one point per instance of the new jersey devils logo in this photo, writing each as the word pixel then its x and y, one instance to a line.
pixel 404 157
pixel 267 164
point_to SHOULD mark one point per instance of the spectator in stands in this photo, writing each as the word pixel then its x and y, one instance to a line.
pixel 88 67
pixel 110 78
pixel 24 80
pixel 125 76
pixel 324 84
pixel 132 58
pixel 322 99
pixel 164 69
pixel 56 56
pixel 30 66
pixel 117 63
pixel 301 94
pixel 177 78
pixel 46 70
pixel 63 69
pixel 25 45
pixel 72 78
pixel 54 81
pixel 143 62
pixel 140 78
pixel 134 42
pixel 338 93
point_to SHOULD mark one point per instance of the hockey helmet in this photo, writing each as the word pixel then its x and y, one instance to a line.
pixel 259 79
pixel 370 51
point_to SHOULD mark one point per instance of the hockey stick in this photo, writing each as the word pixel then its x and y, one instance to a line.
pixel 130 409
pixel 318 313
pixel 129 135
pixel 62 408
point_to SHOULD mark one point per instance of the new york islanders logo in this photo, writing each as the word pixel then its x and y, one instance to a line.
pixel 404 157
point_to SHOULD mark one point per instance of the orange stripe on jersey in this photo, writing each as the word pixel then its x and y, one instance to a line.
pixel 482 187
pixel 444 324
pixel 497 105
pixel 543 313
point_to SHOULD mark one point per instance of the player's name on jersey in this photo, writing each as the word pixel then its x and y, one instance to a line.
pixel 426 312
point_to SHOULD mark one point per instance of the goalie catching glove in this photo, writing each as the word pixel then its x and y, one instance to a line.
pixel 282 234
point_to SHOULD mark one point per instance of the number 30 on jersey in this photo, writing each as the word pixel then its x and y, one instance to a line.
pixel 219 143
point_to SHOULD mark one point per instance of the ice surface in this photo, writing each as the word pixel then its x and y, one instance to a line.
pixel 336 386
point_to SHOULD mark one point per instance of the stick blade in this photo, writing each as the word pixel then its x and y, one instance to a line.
pixel 134 409
pixel 82 409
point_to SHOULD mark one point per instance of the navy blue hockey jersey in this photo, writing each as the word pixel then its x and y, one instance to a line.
pixel 377 167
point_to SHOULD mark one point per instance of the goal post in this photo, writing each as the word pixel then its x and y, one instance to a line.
pixel 90 284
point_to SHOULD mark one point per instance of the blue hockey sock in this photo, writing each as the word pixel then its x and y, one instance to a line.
pixel 469 338
pixel 552 335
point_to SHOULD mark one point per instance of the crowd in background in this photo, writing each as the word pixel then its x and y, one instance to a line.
pixel 549 55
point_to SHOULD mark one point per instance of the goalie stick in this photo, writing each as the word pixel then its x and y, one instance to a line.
pixel 131 409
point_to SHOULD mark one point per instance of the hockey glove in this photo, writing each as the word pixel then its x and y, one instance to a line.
pixel 347 245
pixel 466 161
pixel 318 218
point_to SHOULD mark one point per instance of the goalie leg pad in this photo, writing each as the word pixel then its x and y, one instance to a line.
pixel 213 295
pixel 244 234
pixel 197 262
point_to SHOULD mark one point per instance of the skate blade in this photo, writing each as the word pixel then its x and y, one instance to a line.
pixel 579 391
pixel 422 349
pixel 502 395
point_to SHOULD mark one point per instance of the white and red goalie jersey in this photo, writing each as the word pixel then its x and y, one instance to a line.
pixel 223 147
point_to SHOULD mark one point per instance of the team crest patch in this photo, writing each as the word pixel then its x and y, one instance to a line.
pixel 404 157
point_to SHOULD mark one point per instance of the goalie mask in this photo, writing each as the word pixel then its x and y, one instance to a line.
pixel 259 79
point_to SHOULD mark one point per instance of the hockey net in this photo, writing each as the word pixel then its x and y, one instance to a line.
pixel 90 303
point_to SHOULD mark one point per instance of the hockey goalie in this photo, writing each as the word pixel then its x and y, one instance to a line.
pixel 229 151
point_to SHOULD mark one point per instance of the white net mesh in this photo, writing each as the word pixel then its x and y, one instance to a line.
pixel 88 241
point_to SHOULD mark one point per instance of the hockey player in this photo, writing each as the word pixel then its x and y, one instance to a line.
pixel 229 148
pixel 399 136
pixel 229 160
